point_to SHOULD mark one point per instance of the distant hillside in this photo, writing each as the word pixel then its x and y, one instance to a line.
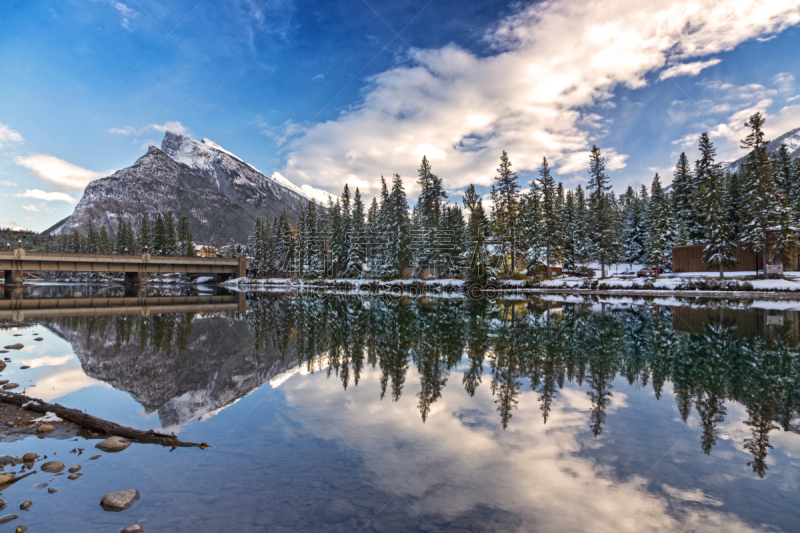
pixel 220 194
pixel 791 139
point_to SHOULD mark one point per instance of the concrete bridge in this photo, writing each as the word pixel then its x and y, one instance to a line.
pixel 21 309
pixel 135 267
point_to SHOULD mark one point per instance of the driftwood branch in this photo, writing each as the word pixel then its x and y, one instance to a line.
pixel 95 424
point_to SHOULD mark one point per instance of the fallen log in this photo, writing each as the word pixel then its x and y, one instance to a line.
pixel 95 424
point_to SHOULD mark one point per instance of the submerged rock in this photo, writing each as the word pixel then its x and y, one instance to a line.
pixel 119 501
pixel 5 478
pixel 338 510
pixel 113 444
pixel 9 386
pixel 29 457
pixel 21 529
pixel 51 490
pixel 7 518
pixel 25 505
pixel 74 469
pixel 133 528
pixel 52 467
pixel 17 346
pixel 74 476
pixel 45 428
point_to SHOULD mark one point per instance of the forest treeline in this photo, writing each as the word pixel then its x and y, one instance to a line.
pixel 757 206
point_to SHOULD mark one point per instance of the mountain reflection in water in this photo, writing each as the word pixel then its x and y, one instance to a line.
pixel 189 365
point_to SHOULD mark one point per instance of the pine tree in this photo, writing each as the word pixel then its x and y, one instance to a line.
pixel 569 228
pixel 718 235
pixel 659 242
pixel 762 207
pixel 734 203
pixel 582 241
pixel 302 243
pixel 357 254
pixel 634 238
pixel 104 241
pixel 159 236
pixel 601 213
pixel 479 268
pixel 682 193
pixel 144 242
pixel 170 238
pixel 398 249
pixel 506 208
pixel 316 244
pixel 373 242
pixel 551 238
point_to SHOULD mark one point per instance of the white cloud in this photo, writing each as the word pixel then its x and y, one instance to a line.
pixel 9 224
pixel 125 12
pixel 47 360
pixel 687 69
pixel 174 127
pixel 57 171
pixel 554 62
pixel 48 196
pixel 8 136
pixel 318 77
pixel 540 473
pixel 8 183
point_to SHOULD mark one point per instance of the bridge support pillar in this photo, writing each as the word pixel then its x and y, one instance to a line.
pixel 241 269
pixel 13 278
pixel 219 278
pixel 135 279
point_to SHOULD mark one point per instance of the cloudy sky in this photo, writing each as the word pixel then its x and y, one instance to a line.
pixel 345 91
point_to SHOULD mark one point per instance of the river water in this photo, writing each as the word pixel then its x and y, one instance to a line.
pixel 342 412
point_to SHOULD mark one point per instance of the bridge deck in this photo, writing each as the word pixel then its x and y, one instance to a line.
pixel 14 262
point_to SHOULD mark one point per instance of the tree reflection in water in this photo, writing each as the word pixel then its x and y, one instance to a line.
pixel 710 358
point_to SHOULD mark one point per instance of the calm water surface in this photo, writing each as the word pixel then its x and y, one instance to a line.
pixel 372 413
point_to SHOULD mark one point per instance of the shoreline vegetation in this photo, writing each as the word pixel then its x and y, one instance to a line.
pixel 625 287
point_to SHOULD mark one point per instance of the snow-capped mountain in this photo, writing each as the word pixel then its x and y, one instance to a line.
pixel 218 192
pixel 791 139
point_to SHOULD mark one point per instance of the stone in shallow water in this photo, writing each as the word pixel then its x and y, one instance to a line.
pixel 21 529
pixel 51 490
pixel 52 467
pixel 25 505
pixel 7 518
pixel 133 528
pixel 74 469
pixel 95 457
pixel 74 476
pixel 119 501
pixel 45 428
pixel 29 457
pixel 9 386
pixel 113 444
pixel 337 510
pixel 40 485
pixel 17 346
pixel 5 478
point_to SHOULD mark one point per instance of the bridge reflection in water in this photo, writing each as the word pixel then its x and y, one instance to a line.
pixel 18 309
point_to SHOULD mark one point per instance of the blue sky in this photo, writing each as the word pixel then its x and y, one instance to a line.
pixel 344 91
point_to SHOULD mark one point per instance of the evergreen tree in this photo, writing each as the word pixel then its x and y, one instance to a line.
pixel 762 208
pixel 144 239
pixel 479 268
pixel 634 238
pixel 159 236
pixel 551 237
pixel 734 203
pixel 357 255
pixel 718 235
pixel 659 236
pixel 170 238
pixel 683 195
pixel 398 250
pixel 601 213
pixel 506 208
